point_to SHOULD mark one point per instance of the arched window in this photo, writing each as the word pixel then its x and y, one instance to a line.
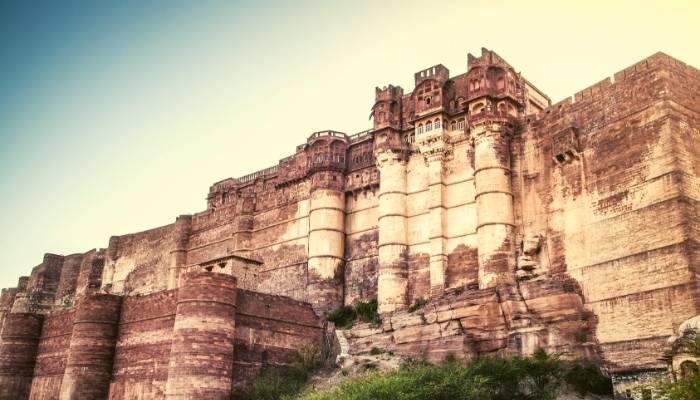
pixel 453 126
pixel 460 124
pixel 428 126
pixel 419 130
pixel 688 369
pixel 410 138
pixel 437 124
pixel 427 101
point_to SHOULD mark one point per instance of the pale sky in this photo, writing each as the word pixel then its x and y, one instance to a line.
pixel 115 117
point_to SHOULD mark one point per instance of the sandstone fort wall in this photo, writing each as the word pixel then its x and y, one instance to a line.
pixel 571 226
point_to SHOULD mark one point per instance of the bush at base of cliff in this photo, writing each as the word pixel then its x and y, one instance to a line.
pixel 344 316
pixel 541 377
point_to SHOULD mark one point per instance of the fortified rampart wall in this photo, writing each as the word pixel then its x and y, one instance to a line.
pixel 571 226
pixel 206 339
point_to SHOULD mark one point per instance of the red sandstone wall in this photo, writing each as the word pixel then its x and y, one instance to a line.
pixel 143 346
pixel 52 354
pixel 618 217
pixel 269 330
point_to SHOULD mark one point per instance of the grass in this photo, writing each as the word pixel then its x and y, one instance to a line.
pixel 540 377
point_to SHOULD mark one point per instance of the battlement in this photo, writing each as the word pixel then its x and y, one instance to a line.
pixel 487 57
pixel 603 89
pixel 388 93
pixel 437 72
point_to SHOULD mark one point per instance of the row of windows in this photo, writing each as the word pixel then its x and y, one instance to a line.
pixel 430 125
pixel 336 158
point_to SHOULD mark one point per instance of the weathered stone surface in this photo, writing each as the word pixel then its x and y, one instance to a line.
pixel 572 227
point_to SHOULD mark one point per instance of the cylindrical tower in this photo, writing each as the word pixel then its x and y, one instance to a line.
pixel 495 100
pixel 327 151
pixel 392 282
pixel 18 346
pixel 494 203
pixel 91 353
pixel 178 255
pixel 201 354
pixel 7 298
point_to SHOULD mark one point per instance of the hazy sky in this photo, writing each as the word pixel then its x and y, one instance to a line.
pixel 116 116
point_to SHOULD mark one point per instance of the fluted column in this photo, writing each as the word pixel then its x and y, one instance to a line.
pixel 92 345
pixel 326 246
pixel 201 354
pixel 494 204
pixel 18 347
pixel 392 282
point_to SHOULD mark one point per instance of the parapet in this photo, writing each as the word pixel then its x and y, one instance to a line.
pixel 438 73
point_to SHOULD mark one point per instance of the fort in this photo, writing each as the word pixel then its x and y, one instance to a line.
pixel 573 227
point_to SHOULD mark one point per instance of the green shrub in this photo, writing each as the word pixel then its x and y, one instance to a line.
pixel 417 305
pixel 367 312
pixel 343 317
pixel 540 377
pixel 586 378
pixel 683 388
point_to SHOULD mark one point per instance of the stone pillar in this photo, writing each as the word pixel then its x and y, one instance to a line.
pixel 92 345
pixel 326 243
pixel 201 354
pixel 18 347
pixel 178 255
pixel 494 205
pixel 392 282
pixel 436 218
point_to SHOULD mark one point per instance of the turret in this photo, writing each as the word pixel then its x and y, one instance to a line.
pixel 201 352
pixel 390 153
pixel 495 102
pixel 386 110
pixel 326 154
pixel 91 352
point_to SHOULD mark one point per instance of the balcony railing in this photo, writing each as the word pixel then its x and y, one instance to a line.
pixel 255 175
pixel 328 133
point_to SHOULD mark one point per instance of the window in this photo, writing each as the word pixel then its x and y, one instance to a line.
pixel 427 101
pixel 419 130
pixel 410 138
pixel 453 126
pixel 428 126
pixel 460 124
pixel 688 369
pixel 437 124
